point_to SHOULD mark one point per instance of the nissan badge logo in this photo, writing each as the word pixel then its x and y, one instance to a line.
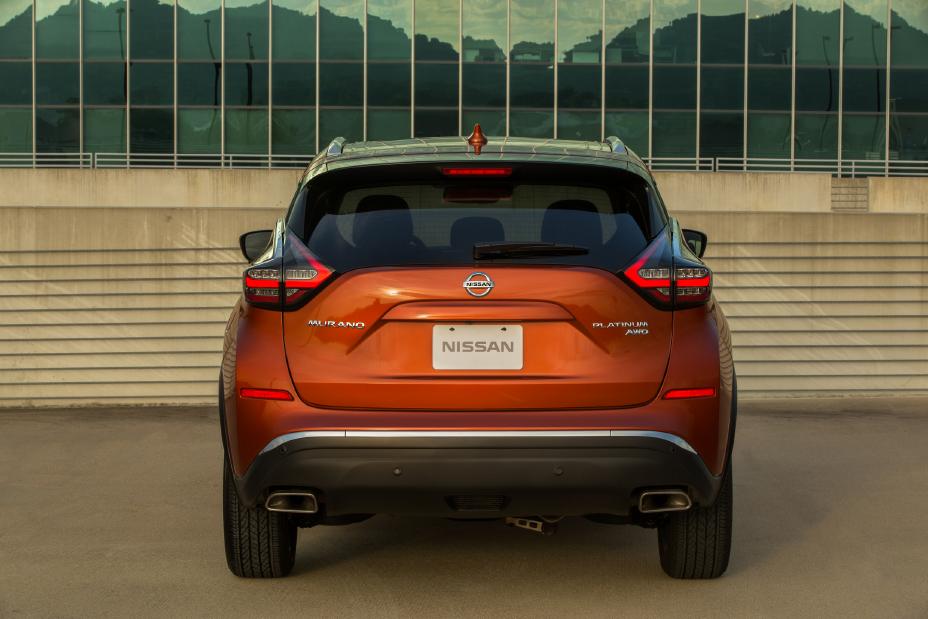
pixel 478 284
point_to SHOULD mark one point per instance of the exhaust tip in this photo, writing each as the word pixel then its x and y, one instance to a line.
pixel 658 501
pixel 292 502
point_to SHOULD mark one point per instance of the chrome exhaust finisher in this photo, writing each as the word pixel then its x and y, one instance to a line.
pixel 292 502
pixel 658 501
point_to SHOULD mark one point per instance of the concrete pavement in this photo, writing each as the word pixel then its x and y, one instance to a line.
pixel 117 513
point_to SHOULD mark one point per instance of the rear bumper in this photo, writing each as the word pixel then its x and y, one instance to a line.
pixel 478 474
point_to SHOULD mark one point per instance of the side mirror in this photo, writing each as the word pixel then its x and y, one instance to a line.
pixel 697 241
pixel 254 243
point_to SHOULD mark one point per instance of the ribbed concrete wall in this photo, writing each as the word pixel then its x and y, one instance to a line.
pixel 127 303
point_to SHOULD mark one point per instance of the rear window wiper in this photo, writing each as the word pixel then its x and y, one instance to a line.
pixel 484 251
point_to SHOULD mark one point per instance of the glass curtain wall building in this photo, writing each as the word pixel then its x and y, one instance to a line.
pixel 780 79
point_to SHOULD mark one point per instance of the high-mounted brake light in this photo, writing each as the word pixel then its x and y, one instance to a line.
pixel 266 394
pixel 477 171
pixel 686 394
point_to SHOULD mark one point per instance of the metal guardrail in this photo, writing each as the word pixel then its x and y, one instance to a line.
pixel 150 160
pixel 854 168
pixel 680 164
pixel 46 160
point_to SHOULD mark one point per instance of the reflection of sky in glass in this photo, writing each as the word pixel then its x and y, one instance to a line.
pixel 397 12
pixel 624 15
pixel 875 9
pixel 198 7
pixel 915 12
pixel 765 8
pixel 485 20
pixel 532 21
pixel 822 6
pixel 344 8
pixel 722 7
pixel 667 11
pixel 240 4
pixel 579 22
pixel 306 7
pixel 10 9
pixel 438 19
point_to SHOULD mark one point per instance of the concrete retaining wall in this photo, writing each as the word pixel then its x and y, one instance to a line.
pixel 117 284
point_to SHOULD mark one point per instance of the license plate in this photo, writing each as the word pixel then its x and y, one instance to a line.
pixel 477 347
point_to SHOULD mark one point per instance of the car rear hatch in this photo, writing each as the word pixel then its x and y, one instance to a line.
pixel 462 290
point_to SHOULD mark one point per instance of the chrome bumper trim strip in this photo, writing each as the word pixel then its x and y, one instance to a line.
pixel 663 436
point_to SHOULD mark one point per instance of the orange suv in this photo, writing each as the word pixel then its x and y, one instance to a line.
pixel 513 330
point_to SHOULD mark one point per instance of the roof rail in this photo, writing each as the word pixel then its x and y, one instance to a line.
pixel 616 145
pixel 335 147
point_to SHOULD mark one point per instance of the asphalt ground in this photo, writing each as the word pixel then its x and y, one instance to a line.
pixel 117 513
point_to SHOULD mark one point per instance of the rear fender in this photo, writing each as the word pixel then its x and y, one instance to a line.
pixel 701 357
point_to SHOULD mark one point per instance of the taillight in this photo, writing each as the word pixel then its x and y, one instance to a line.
pixel 271 286
pixel 692 285
pixel 303 273
pixel 262 286
pixel 669 281
pixel 650 273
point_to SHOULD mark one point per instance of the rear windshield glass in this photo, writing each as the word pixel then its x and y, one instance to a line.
pixel 418 215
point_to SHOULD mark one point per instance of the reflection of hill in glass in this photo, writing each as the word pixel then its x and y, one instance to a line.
pixel 910 45
pixel 242 21
pixel 198 34
pixel 16 36
pixel 156 39
pixel 429 48
pixel 344 35
pixel 766 38
pixel 294 34
pixel 105 30
pixel 386 41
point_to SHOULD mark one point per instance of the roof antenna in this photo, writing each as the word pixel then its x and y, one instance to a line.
pixel 477 139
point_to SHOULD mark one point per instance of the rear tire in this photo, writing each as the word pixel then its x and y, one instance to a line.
pixel 696 543
pixel 259 543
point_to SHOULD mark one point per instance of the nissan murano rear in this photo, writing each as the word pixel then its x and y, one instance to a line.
pixel 517 331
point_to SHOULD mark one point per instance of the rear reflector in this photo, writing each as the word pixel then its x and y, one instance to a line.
pixel 684 394
pixel 476 171
pixel 266 394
